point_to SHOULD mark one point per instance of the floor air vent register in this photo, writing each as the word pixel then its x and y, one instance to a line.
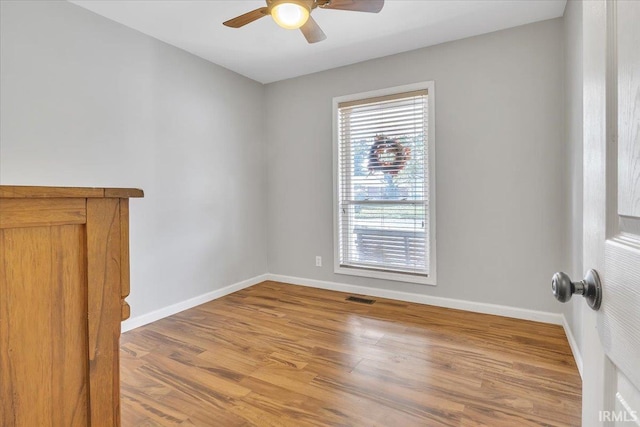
pixel 360 300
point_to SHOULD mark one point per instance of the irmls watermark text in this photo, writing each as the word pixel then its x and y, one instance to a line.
pixel 618 416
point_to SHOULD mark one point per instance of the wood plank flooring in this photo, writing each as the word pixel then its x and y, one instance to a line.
pixel 282 355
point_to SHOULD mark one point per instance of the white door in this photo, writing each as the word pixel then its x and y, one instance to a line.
pixel 611 375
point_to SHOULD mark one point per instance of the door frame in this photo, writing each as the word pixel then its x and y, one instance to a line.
pixel 596 367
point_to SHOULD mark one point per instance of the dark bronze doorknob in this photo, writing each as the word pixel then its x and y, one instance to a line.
pixel 589 287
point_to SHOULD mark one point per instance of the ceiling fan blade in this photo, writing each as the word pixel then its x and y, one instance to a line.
pixel 373 6
pixel 312 31
pixel 242 20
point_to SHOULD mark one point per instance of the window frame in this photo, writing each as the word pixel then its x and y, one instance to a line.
pixel 429 279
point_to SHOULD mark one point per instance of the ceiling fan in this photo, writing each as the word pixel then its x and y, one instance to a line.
pixel 294 14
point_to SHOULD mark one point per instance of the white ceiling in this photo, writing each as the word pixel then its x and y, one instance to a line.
pixel 265 52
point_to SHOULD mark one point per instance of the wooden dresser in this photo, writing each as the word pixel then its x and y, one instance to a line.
pixel 64 277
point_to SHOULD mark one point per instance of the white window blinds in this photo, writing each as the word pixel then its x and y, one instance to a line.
pixel 383 216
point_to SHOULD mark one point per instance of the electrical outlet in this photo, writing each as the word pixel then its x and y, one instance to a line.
pixel 318 261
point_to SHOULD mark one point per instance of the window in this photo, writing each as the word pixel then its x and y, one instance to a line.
pixel 384 207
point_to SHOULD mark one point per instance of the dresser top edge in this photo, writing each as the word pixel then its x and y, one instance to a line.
pixel 32 192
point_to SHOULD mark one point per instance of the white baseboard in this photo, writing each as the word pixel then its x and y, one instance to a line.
pixel 477 307
pixel 144 319
pixel 573 344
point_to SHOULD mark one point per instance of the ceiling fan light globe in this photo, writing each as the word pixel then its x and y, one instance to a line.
pixel 290 15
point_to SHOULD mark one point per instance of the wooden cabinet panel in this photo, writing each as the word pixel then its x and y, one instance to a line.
pixel 41 212
pixel 64 274
pixel 42 307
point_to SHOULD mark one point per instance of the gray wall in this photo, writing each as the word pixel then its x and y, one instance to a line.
pixel 88 102
pixel 573 142
pixel 500 165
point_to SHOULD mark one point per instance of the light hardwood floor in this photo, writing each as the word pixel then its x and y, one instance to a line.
pixel 283 355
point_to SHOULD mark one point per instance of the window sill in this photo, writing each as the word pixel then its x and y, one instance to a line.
pixel 386 275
